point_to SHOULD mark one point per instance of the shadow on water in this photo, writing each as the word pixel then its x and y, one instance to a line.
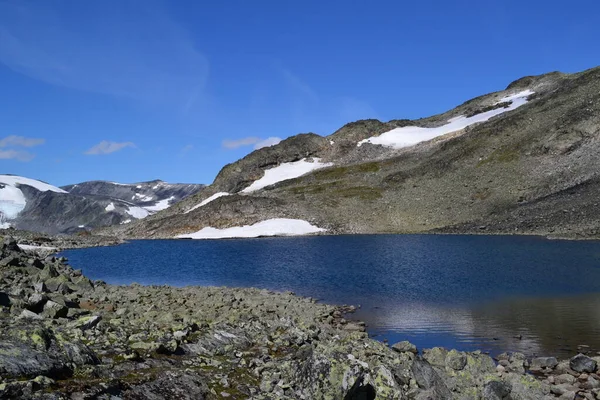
pixel 493 293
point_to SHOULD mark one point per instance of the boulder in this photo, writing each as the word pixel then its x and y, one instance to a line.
pixel 436 356
pixel 583 363
pixel 496 390
pixel 427 378
pixel 86 322
pixel 170 385
pixel 404 347
pixel 10 244
pixel 48 272
pixel 456 360
pixel 53 309
pixel 539 363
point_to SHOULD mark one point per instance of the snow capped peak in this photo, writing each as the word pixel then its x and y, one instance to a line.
pixel 12 199
pixel 14 180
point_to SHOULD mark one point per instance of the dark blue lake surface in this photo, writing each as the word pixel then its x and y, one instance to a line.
pixel 467 292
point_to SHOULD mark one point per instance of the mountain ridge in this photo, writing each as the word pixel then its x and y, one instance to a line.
pixel 516 156
pixel 33 205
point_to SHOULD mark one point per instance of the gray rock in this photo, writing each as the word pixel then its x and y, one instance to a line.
pixel 436 356
pixel 87 322
pixel 10 244
pixel 18 360
pixel 583 363
pixel 539 363
pixel 48 272
pixel 36 301
pixel 428 379
pixel 55 310
pixel 26 314
pixel 456 360
pixel 496 390
pixel 404 347
pixel 170 385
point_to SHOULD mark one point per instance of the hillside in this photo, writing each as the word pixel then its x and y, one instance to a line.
pixel 33 205
pixel 521 160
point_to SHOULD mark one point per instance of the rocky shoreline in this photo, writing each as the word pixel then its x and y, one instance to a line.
pixel 59 242
pixel 63 336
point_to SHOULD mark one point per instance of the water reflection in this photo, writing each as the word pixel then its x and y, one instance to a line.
pixel 534 326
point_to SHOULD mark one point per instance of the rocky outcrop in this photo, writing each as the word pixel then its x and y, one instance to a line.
pixel 64 336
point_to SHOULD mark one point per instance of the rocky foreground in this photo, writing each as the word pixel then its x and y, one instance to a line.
pixel 63 336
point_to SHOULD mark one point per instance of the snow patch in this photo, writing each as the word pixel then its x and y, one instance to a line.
pixel 160 205
pixel 12 201
pixel 81 226
pixel 286 171
pixel 142 197
pixel 137 212
pixel 28 247
pixel 110 207
pixel 208 200
pixel 270 227
pixel 126 221
pixel 517 96
pixel 13 180
pixel 411 135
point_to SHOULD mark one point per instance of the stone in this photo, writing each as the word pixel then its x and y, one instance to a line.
pixel 171 385
pixel 55 310
pixel 564 378
pixel 496 390
pixel 10 244
pixel 26 314
pixel 436 356
pixel 87 322
pixel 456 360
pixel 404 347
pixel 540 363
pixel 583 363
pixel 36 301
pixel 48 272
pixel 428 379
pixel 40 287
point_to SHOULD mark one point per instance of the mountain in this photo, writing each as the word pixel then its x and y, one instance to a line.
pixel 521 160
pixel 34 205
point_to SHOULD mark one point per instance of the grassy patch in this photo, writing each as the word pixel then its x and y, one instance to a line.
pixel 330 173
pixel 361 192
pixel 502 156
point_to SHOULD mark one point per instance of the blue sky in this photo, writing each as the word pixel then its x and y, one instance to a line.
pixel 128 91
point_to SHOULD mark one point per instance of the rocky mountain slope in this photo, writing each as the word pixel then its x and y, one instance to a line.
pixel 37 206
pixel 522 160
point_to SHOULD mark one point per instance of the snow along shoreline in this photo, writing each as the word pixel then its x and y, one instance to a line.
pixel 269 227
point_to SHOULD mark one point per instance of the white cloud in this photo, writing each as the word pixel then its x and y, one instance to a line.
pixel 251 140
pixel 20 141
pixel 268 142
pixel 187 148
pixel 234 144
pixel 16 155
pixel 106 147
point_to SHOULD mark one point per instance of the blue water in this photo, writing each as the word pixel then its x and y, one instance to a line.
pixel 468 292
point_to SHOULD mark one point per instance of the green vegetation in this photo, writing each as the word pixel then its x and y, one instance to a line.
pixel 361 192
pixel 501 155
